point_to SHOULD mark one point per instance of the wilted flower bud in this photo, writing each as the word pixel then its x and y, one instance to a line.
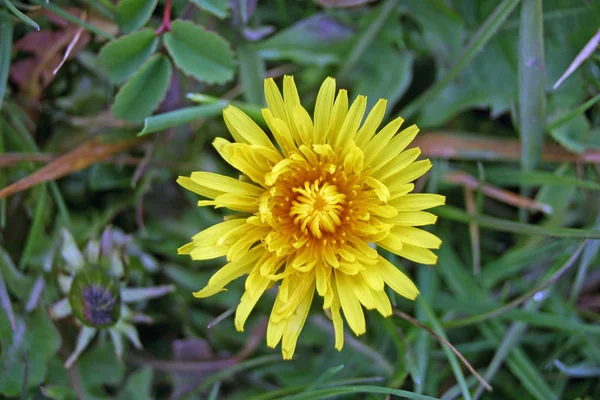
pixel 95 298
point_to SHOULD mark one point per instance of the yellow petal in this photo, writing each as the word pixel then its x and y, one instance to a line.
pixel 256 284
pixel 229 272
pixel 350 304
pixel 418 254
pixel 395 279
pixel 274 100
pixel 382 303
pixel 295 323
pixel 338 322
pixel 416 237
pixel 234 202
pixel 338 114
pixel 418 201
pixel 395 147
pixel 373 278
pixel 208 252
pixel 280 131
pixel 366 132
pixel 410 173
pixel 352 122
pixel 244 129
pixel 290 93
pixel 362 291
pixel 275 332
pixel 211 185
pixel 381 140
pixel 212 234
pixel 304 125
pixel 391 243
pixel 413 218
pixel 393 168
pixel 323 108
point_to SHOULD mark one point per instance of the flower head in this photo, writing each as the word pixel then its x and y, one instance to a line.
pixel 96 292
pixel 310 209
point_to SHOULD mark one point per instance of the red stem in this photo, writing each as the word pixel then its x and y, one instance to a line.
pixel 166 21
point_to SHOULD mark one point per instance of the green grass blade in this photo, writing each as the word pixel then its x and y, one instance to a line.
pixel 21 16
pixel 502 225
pixel 340 391
pixel 532 99
pixel 327 375
pixel 479 40
pixel 37 225
pixel 252 72
pixel 6 38
pixel 536 178
pixel 456 368
pixel 17 116
pixel 366 38
pixel 3 177
pixel 71 18
pixel 558 121
pixel 6 303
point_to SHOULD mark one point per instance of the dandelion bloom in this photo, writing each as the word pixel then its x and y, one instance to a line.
pixel 310 208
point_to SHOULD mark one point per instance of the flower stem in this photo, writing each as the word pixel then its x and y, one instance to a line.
pixel 166 21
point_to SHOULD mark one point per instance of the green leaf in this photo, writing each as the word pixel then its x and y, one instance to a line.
pixel 179 117
pixel 199 53
pixel 99 366
pixel 252 73
pixel 138 386
pixel 368 36
pixel 59 392
pixel 375 79
pixel 218 8
pixel 142 94
pixel 6 34
pixel 18 283
pixel 319 40
pixel 122 57
pixel 487 30
pixel 443 28
pixel 133 14
pixel 35 341
pixel 573 134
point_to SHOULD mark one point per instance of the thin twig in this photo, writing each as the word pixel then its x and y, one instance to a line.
pixel 72 44
pixel 447 343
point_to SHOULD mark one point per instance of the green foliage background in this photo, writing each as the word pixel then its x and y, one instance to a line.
pixel 516 289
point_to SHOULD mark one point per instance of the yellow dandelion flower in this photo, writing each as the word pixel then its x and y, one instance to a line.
pixel 311 208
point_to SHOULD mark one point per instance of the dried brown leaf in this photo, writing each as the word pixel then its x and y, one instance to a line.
pixel 81 157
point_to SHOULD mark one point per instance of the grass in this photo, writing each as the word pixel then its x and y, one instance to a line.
pixel 515 289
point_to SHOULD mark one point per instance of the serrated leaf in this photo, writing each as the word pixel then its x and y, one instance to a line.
pixel 218 8
pixel 122 57
pixel 142 94
pixel 133 14
pixel 204 55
